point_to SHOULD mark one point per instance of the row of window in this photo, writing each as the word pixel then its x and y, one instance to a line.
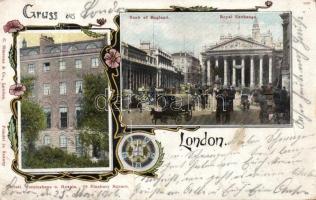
pixel 63 116
pixel 63 88
pixel 62 65
pixel 63 142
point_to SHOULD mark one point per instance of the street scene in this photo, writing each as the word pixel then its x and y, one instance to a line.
pixel 236 74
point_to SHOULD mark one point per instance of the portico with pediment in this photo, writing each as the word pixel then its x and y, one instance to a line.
pixel 239 62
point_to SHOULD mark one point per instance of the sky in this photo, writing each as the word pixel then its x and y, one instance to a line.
pixel 192 31
pixel 33 37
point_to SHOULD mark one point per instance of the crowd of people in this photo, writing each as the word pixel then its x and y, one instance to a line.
pixel 273 102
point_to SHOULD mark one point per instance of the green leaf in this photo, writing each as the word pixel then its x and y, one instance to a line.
pixel 91 33
pixel 12 134
pixel 11 57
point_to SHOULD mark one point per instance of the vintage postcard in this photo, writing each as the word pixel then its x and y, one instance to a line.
pixel 158 100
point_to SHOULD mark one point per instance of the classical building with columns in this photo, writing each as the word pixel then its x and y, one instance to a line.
pixel 243 61
pixel 146 67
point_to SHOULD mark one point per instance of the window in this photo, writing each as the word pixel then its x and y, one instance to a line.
pixel 48 115
pixel 78 145
pixel 31 68
pixel 46 66
pixel 78 63
pixel 62 65
pixel 46 89
pixel 79 87
pixel 32 53
pixel 62 88
pixel 32 88
pixel 46 140
pixel 63 141
pixel 94 62
pixel 55 50
pixel 63 112
pixel 78 114
pixel 72 48
pixel 91 46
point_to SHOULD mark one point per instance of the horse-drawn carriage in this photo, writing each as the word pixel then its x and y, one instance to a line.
pixel 174 107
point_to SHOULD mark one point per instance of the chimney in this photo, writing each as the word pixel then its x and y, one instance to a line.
pixel 45 41
pixel 24 43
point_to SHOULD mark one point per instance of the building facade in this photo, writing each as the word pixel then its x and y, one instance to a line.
pixel 286 62
pixel 58 71
pixel 146 67
pixel 243 61
pixel 188 64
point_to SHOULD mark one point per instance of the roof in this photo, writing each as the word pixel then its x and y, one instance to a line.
pixel 249 43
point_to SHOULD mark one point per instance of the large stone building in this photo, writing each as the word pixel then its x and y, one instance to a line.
pixel 243 61
pixel 146 67
pixel 188 64
pixel 58 70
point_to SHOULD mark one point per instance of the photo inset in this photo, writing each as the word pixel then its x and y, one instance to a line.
pixel 62 129
pixel 206 69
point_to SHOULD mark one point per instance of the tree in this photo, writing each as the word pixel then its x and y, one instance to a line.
pixel 33 121
pixel 33 118
pixel 28 82
pixel 47 157
pixel 93 122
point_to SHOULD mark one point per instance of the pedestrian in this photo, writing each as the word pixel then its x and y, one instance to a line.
pixel 227 105
pixel 219 106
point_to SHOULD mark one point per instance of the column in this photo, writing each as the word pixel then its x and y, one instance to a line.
pixel 208 71
pixel 252 73
pixel 260 71
pixel 217 66
pixel 137 79
pixel 142 78
pixel 202 69
pixel 132 79
pixel 270 69
pixel 128 78
pixel 225 71
pixel 242 72
pixel 234 72
pixel 157 79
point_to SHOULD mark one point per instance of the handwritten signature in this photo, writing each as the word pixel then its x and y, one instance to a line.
pixel 90 11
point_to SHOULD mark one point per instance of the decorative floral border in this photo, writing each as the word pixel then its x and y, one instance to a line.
pixel 110 58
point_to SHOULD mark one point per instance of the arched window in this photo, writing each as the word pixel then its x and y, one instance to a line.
pixel 91 46
pixel 32 53
pixel 55 50
pixel 72 48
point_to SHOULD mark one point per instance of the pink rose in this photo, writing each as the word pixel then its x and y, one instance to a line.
pixel 113 58
pixel 17 89
pixel 12 26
